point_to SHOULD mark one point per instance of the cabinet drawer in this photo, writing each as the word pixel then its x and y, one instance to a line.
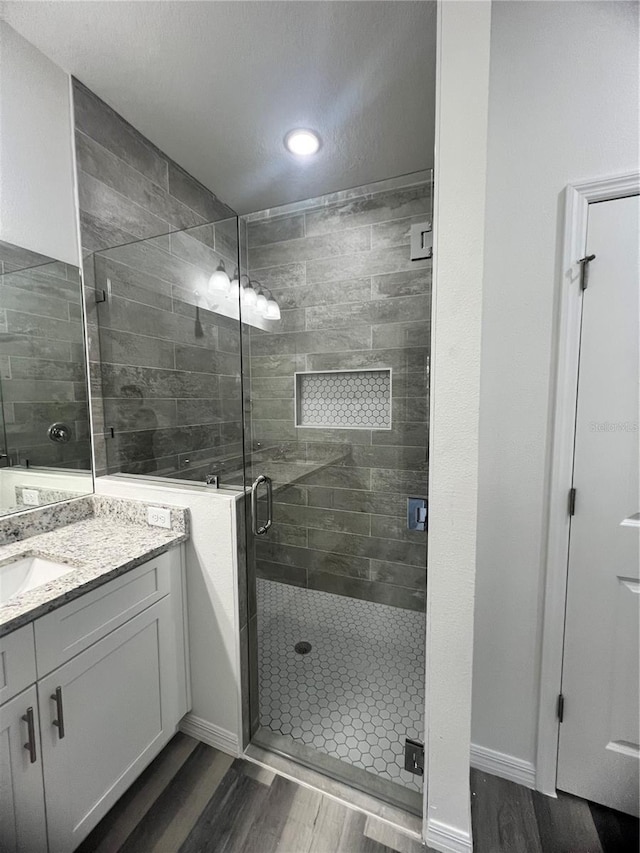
pixel 65 632
pixel 17 662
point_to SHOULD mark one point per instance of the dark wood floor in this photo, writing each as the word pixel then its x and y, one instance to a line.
pixel 194 799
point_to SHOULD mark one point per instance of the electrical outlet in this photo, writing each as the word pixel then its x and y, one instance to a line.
pixel 31 497
pixel 159 517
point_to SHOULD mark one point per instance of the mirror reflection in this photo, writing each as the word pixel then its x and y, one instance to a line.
pixel 45 444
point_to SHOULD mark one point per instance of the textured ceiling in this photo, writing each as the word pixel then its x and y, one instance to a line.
pixel 217 84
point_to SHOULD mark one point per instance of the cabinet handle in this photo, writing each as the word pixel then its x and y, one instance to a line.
pixel 31 735
pixel 57 698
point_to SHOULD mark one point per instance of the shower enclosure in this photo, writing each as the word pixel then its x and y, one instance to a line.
pixel 336 402
pixel 319 413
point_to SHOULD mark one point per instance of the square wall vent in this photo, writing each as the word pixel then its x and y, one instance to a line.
pixel 344 399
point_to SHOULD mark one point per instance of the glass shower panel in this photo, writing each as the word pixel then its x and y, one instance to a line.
pixel 337 399
pixel 168 372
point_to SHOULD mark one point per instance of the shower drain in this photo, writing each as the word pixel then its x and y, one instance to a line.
pixel 302 648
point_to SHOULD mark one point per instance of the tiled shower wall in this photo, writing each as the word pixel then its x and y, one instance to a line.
pixel 128 188
pixel 170 369
pixel 165 370
pixel 351 298
pixel 42 364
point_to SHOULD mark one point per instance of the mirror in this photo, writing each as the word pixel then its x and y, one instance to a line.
pixel 45 439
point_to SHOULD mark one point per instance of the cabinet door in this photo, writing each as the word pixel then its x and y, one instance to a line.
pixel 22 820
pixel 105 715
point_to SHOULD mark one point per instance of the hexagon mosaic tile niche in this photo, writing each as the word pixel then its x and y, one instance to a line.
pixel 359 692
pixel 349 399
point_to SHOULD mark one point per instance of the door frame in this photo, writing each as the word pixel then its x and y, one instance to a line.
pixel 568 317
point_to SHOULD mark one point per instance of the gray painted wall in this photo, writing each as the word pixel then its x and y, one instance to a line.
pixel 165 370
pixel 350 298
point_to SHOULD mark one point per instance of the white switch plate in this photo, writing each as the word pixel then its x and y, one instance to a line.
pixel 31 497
pixel 159 517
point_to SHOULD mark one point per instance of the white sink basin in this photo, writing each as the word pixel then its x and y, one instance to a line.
pixel 27 573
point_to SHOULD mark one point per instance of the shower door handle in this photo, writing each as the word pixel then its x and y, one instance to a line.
pixel 259 531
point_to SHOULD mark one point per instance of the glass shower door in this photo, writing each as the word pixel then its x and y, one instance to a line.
pixel 336 408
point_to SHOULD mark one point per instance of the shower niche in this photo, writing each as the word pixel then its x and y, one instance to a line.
pixel 343 399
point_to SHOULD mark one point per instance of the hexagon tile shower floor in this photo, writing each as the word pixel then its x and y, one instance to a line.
pixel 359 692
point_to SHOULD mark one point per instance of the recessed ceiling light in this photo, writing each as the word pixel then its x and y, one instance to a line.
pixel 302 142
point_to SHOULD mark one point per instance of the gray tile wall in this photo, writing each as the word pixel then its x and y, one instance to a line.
pixel 170 369
pixel 128 188
pixel 165 370
pixel 351 298
pixel 14 258
pixel 42 363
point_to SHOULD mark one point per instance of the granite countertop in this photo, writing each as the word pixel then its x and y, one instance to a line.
pixel 100 537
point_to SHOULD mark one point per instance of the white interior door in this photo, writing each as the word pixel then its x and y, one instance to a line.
pixel 599 746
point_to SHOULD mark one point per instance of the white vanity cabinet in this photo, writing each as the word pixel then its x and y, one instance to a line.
pixel 111 688
pixel 22 820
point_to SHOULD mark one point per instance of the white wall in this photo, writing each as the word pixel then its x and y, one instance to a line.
pixel 563 106
pixel 37 202
pixel 212 603
pixel 461 126
pixel 69 481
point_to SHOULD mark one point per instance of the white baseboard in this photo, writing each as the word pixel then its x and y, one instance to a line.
pixel 447 839
pixel 503 765
pixel 206 732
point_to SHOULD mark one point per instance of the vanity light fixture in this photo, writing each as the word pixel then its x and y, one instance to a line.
pixel 256 299
pixel 249 295
pixel 219 283
pixel 260 299
pixel 302 142
pixel 261 302
pixel 234 286
pixel 272 311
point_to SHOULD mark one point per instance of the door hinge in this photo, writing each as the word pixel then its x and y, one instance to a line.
pixel 560 707
pixel 414 756
pixel 416 513
pixel 584 270
pixel 572 501
pixel 421 241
